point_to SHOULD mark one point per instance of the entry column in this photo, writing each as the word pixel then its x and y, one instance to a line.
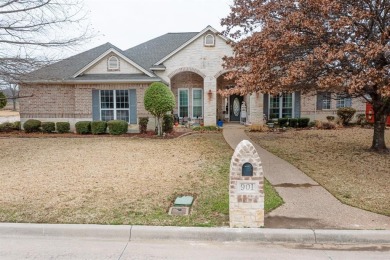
pixel 210 100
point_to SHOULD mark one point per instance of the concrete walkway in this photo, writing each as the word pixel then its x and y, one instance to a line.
pixel 307 204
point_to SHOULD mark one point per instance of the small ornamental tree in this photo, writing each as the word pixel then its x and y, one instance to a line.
pixel 3 100
pixel 159 100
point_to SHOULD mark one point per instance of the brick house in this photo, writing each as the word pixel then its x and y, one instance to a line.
pixel 106 83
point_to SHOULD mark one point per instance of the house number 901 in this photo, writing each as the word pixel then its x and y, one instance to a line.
pixel 247 186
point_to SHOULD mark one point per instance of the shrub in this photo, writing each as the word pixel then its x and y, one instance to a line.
pixel 303 122
pixel 346 114
pixel 63 127
pixel 6 127
pixel 3 100
pixel 83 127
pixel 117 127
pixel 32 125
pixel 98 127
pixel 361 119
pixel 143 124
pixel 330 118
pixel 16 125
pixel 293 122
pixel 328 125
pixel 283 122
pixel 318 124
pixel 48 127
pixel 167 123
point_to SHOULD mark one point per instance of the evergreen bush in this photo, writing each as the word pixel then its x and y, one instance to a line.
pixel 117 127
pixel 32 125
pixel 98 127
pixel 63 127
pixel 48 127
pixel 83 127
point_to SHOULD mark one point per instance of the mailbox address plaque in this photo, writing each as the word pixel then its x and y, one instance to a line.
pixel 247 187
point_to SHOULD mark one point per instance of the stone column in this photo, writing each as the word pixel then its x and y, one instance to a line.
pixel 210 100
pixel 246 193
pixel 256 109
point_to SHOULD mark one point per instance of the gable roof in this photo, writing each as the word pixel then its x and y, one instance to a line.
pixel 185 44
pixel 65 69
pixel 147 57
pixel 119 53
pixel 148 53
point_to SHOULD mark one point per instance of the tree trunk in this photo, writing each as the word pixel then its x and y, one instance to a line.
pixel 378 141
pixel 14 104
pixel 159 128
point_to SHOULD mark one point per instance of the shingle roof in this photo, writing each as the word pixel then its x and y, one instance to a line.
pixel 148 53
pixel 145 55
pixel 66 68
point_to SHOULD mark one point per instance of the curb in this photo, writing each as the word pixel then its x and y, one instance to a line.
pixel 138 233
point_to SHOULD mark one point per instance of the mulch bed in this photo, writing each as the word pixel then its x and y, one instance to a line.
pixel 149 134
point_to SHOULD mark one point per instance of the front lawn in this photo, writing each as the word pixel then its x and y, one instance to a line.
pixel 118 180
pixel 339 160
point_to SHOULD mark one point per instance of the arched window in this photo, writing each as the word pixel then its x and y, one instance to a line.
pixel 113 63
pixel 209 40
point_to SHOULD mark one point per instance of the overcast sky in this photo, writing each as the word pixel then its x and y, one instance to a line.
pixel 127 23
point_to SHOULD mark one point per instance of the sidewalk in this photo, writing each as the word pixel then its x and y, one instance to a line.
pixel 307 204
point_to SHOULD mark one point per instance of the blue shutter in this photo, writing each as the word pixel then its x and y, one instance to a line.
pixel 266 105
pixel 133 106
pixel 95 105
pixel 297 105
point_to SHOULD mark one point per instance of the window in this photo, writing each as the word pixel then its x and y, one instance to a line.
pixel 113 63
pixel 197 103
pixel 183 103
pixel 209 40
pixel 114 105
pixel 281 106
pixel 326 100
pixel 342 100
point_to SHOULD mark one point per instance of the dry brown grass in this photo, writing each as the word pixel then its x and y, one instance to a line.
pixel 113 180
pixel 339 160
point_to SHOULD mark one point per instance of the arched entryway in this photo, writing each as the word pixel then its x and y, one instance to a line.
pixel 228 107
pixel 188 88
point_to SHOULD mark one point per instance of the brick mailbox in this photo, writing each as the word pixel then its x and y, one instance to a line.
pixel 246 195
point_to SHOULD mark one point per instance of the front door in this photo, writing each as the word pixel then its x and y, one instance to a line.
pixel 235 107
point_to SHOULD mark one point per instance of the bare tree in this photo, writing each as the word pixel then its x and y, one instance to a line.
pixel 12 92
pixel 28 28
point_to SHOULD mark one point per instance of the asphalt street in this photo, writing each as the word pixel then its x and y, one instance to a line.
pixel 38 247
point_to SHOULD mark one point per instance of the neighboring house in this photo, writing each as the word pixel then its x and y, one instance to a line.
pixel 107 83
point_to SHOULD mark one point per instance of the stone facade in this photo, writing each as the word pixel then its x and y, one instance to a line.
pixel 246 193
pixel 207 63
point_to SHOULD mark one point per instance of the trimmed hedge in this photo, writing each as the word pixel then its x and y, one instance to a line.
pixel 32 125
pixel 167 123
pixel 293 122
pixel 117 127
pixel 83 127
pixel 98 127
pixel 143 124
pixel 48 127
pixel 6 127
pixel 283 122
pixel 303 122
pixel 63 127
